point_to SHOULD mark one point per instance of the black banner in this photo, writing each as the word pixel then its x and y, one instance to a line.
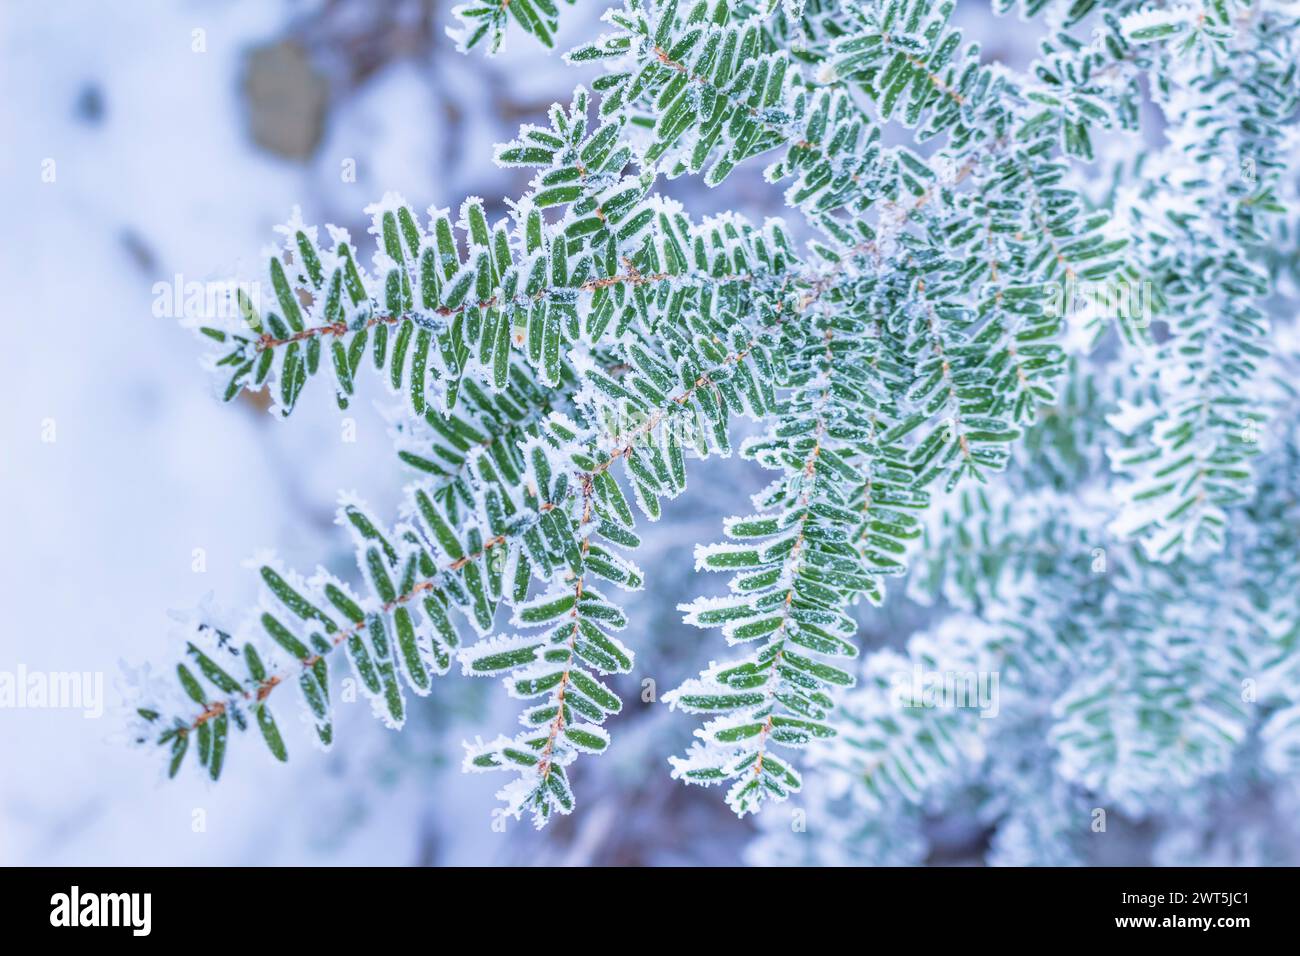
pixel 210 906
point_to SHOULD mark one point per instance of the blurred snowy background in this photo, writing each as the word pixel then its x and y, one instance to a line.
pixel 151 142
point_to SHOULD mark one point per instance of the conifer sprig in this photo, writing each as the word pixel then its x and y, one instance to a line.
pixel 915 370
